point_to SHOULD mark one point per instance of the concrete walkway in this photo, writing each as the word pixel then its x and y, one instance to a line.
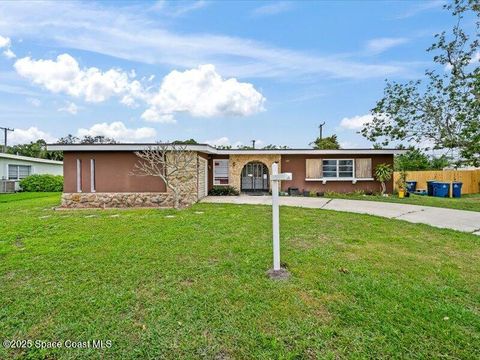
pixel 461 220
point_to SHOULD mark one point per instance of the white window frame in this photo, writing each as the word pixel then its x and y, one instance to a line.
pixel 338 169
pixel 353 179
pixel 214 172
pixel 30 172
pixel 92 176
pixel 79 175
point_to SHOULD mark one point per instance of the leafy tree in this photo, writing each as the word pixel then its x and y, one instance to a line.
pixel 438 163
pixel 224 147
pixel 69 139
pixel 443 109
pixel 100 139
pixel 326 143
pixel 414 159
pixel 275 147
pixel 383 173
pixel 36 149
pixel 185 142
pixel 87 139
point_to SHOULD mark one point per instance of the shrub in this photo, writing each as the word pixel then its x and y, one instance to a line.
pixel 42 183
pixel 223 191
pixel 332 194
pixel 383 173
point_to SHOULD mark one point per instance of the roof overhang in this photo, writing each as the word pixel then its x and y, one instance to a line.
pixel 127 147
pixel 31 159
pixel 208 149
pixel 313 152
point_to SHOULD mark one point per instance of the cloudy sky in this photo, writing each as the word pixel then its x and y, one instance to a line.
pixel 219 72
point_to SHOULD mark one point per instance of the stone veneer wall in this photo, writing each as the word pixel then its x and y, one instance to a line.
pixel 187 182
pixel 115 200
pixel 237 162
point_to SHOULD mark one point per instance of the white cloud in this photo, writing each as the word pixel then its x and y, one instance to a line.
pixel 177 8
pixel 377 46
pixel 222 141
pixel 70 107
pixel 5 43
pixel 152 115
pixel 419 7
pixel 475 58
pixel 127 32
pixel 64 75
pixel 349 144
pixel 22 136
pixel 9 54
pixel 118 131
pixel 355 122
pixel 272 9
pixel 202 92
pixel 34 101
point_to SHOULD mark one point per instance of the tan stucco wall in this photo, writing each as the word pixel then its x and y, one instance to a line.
pixel 237 162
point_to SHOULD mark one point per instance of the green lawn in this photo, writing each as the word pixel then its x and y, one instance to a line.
pixel 469 202
pixel 194 285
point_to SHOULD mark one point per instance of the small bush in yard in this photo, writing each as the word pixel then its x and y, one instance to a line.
pixel 42 183
pixel 223 191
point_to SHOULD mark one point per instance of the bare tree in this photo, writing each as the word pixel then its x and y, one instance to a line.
pixel 170 162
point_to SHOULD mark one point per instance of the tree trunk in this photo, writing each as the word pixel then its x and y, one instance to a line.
pixel 176 200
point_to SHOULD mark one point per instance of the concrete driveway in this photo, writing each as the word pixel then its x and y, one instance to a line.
pixel 466 221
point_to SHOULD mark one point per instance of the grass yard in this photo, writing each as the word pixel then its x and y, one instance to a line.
pixel 192 284
pixel 469 202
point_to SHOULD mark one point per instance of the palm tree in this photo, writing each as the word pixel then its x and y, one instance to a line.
pixel 383 173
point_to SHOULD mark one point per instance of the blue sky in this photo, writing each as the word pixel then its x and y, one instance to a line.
pixel 220 72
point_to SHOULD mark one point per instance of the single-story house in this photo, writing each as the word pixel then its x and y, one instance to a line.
pixel 100 175
pixel 14 168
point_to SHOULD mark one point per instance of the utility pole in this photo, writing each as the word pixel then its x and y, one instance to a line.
pixel 321 129
pixel 5 131
pixel 253 144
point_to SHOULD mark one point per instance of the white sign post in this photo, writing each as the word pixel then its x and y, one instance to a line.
pixel 276 178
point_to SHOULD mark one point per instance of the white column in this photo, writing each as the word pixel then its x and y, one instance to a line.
pixel 276 220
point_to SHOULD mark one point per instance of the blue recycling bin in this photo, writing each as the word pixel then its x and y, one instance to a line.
pixel 457 190
pixel 441 189
pixel 411 186
pixel 430 187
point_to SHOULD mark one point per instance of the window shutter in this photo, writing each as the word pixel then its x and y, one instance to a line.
pixel 363 168
pixel 313 168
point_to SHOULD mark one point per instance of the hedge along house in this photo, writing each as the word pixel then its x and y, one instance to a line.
pixel 101 175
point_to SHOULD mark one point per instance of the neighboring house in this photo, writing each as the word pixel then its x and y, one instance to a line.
pixel 14 168
pixel 100 175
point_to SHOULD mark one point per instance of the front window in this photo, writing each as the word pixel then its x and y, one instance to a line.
pixel 220 172
pixel 337 168
pixel 18 172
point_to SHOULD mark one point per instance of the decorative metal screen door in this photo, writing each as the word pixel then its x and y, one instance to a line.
pixel 254 177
